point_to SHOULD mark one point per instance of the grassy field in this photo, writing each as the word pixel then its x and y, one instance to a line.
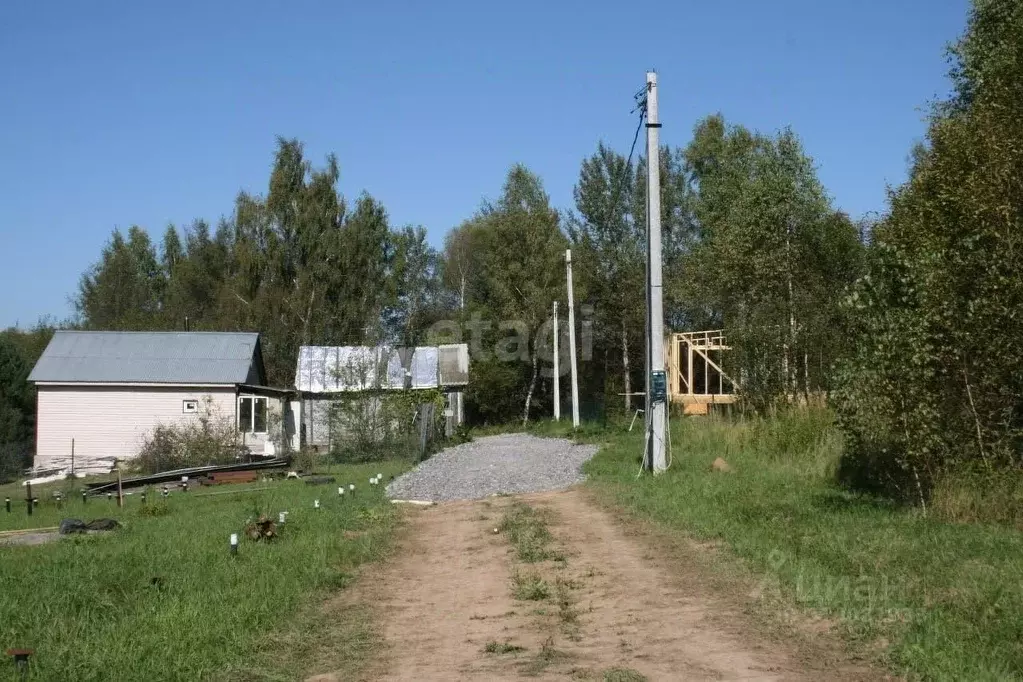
pixel 932 600
pixel 163 599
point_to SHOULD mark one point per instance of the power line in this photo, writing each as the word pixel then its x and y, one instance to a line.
pixel 640 98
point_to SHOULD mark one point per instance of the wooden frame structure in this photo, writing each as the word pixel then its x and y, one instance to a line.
pixel 696 379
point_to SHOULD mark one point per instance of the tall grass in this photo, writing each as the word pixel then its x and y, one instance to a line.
pixel 162 598
pixel 933 600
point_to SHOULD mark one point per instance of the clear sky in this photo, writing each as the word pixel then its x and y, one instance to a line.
pixel 121 113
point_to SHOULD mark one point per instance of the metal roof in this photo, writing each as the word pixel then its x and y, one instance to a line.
pixel 151 357
pixel 342 369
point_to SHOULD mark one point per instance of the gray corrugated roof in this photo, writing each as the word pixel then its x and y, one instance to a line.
pixel 151 357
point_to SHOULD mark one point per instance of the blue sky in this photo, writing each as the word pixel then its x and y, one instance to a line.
pixel 117 113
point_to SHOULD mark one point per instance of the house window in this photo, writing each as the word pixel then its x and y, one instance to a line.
pixel 252 415
pixel 189 406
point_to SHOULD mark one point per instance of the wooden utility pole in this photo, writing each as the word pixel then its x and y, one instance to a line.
pixel 571 340
pixel 656 395
pixel 557 369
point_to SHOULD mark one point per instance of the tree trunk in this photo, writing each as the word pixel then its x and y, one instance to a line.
pixel 529 394
pixel 625 369
pixel 806 376
pixel 461 294
pixel 308 318
pixel 790 373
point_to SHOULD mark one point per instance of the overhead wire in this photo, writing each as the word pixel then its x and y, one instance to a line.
pixel 640 98
pixel 641 107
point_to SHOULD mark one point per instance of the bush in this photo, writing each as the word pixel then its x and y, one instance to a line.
pixel 372 428
pixel 14 458
pixel 210 438
pixel 155 509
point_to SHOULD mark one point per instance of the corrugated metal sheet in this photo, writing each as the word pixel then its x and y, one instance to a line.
pixel 453 364
pixel 424 367
pixel 150 357
pixel 343 369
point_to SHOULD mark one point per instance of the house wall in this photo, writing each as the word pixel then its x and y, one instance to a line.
pixel 321 433
pixel 111 421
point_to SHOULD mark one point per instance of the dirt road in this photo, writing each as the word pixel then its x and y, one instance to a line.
pixel 446 611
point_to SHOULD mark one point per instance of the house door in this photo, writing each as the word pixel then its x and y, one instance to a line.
pixel 252 422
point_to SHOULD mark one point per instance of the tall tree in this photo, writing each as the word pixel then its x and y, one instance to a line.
pixel 122 291
pixel 520 250
pixel 936 379
pixel 772 257
pixel 414 286
pixel 16 408
pixel 459 262
pixel 611 251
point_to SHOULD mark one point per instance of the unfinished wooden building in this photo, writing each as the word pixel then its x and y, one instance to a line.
pixel 696 379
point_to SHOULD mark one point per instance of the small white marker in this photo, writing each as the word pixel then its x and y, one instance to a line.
pixel 373 481
pixel 340 490
pixel 281 517
pixel 234 543
pixel 351 486
pixel 316 504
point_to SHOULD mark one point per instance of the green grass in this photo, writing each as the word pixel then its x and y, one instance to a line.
pixel 495 647
pixel 162 598
pixel 527 530
pixel 622 675
pixel 939 601
pixel 530 587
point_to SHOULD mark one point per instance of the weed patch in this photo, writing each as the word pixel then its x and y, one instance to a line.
pixel 622 675
pixel 546 657
pixel 530 587
pixel 527 530
pixel 494 647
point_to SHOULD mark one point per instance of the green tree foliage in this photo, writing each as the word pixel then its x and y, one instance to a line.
pixel 609 247
pixel 935 381
pixel 504 269
pixel 17 407
pixel 414 287
pixel 771 258
pixel 296 264
pixel 123 290
pixel 749 242
pixel 521 252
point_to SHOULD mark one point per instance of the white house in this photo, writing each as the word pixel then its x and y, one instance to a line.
pixel 100 394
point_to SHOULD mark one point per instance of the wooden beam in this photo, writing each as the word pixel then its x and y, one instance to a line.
pixel 715 366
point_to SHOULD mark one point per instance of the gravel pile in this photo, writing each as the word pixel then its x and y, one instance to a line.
pixel 512 463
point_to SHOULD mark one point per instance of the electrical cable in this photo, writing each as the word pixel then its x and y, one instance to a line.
pixel 641 106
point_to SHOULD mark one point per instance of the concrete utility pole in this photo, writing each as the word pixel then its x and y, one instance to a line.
pixel 656 395
pixel 571 340
pixel 557 369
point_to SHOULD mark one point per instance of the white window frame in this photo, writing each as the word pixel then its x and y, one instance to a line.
pixel 252 414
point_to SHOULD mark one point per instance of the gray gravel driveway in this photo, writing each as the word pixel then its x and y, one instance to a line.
pixel 510 463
